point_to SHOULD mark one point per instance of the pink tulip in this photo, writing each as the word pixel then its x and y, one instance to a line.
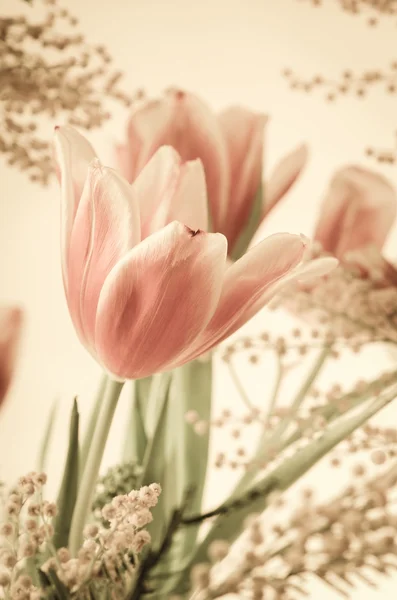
pixel 10 330
pixel 230 146
pixel 144 300
pixel 358 210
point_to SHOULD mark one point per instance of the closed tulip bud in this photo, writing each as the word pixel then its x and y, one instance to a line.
pixel 358 210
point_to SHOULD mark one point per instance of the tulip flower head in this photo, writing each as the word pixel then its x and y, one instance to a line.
pixel 10 331
pixel 230 147
pixel 147 287
pixel 358 210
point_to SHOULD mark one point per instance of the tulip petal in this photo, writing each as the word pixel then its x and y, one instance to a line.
pixel 155 187
pixel 244 132
pixel 158 299
pixel 148 130
pixel 73 154
pixel 284 175
pixel 124 162
pixel 189 204
pixel 245 286
pixel 10 331
pixel 183 121
pixel 105 228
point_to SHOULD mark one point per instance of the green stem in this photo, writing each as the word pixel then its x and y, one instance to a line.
pixel 92 422
pixel 276 390
pixel 302 393
pixel 274 441
pixel 93 463
pixel 240 387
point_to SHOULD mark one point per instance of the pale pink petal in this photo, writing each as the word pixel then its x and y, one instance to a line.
pixel 245 285
pixel 148 129
pixel 124 162
pixel 182 120
pixel 305 272
pixel 189 203
pixel 358 210
pixel 158 299
pixel 155 187
pixel 73 154
pixel 244 132
pixel 10 331
pixel 105 228
pixel 284 175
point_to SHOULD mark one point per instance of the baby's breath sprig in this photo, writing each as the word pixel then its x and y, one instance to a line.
pixel 48 69
pixel 119 480
pixel 356 84
pixel 106 562
pixel 372 9
pixel 347 538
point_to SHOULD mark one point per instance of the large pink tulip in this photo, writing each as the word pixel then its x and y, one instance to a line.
pixel 147 288
pixel 358 210
pixel 230 146
pixel 10 330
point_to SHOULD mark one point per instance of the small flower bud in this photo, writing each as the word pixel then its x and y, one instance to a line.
pixel 191 416
pixel 5 578
pixel 6 529
pixel 218 550
pixel 156 488
pixel 25 581
pixel 63 555
pixel 8 560
pixel 50 509
pixel 200 575
pixel 90 531
pixel 30 525
pixel 40 479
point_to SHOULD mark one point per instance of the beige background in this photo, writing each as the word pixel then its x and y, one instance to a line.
pixel 230 51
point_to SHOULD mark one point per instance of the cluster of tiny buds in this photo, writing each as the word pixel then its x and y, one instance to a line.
pixel 26 531
pixel 356 301
pixel 306 424
pixel 108 556
pixel 347 83
pixel 383 156
pixel 373 8
pixel 292 346
pixel 46 68
pixel 379 442
pixel 106 560
pixel 117 481
pixel 352 534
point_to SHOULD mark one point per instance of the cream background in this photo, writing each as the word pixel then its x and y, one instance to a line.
pixel 230 51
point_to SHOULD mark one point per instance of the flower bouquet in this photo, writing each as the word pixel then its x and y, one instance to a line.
pixel 163 260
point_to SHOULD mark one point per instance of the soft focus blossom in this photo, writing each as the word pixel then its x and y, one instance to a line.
pixel 146 304
pixel 358 210
pixel 10 330
pixel 230 146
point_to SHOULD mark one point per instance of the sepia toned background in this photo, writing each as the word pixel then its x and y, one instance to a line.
pixel 228 51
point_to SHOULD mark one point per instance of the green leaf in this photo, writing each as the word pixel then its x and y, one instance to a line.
pixel 68 491
pixel 143 387
pixel 159 389
pixel 61 589
pixel 191 389
pixel 155 461
pixel 250 228
pixel 229 526
pixel 89 434
pixel 135 439
pixel 47 438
